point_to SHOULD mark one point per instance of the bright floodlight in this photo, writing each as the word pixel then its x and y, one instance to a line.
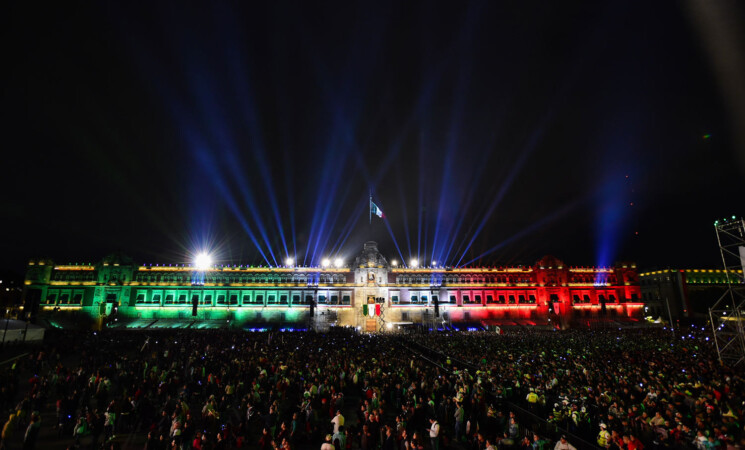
pixel 414 263
pixel 394 263
pixel 325 262
pixel 202 261
pixel 338 262
pixel 434 263
pixel 289 262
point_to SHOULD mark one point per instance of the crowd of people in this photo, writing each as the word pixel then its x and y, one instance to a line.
pixel 621 388
pixel 532 389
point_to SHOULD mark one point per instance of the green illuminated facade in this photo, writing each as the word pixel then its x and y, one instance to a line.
pixel 87 294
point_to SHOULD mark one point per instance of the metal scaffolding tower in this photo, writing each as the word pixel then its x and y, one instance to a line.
pixel 728 312
pixel 382 324
pixel 430 321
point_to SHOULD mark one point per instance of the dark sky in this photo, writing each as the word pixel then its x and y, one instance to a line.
pixel 489 132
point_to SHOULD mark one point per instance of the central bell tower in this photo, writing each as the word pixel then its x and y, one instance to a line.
pixel 371 281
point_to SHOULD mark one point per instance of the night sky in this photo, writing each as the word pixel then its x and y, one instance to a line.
pixel 488 132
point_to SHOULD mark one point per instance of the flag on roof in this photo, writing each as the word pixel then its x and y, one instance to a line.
pixel 374 209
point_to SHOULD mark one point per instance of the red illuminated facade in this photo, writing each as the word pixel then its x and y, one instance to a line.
pixel 549 292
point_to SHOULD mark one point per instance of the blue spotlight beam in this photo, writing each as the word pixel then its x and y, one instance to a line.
pixel 420 206
pixel 326 175
pixel 284 105
pixel 328 233
pixel 351 223
pixel 333 165
pixel 344 92
pixel 452 232
pixel 569 79
pixel 390 158
pixel 162 88
pixel 395 242
pixel 258 150
pixel 211 114
pixel 207 162
pixel 507 183
pixel 326 224
pixel 404 210
pixel 291 209
pixel 241 76
pixel 526 231
pixel 614 207
pixel 249 201
pixel 203 157
pixel 460 96
pixel 424 101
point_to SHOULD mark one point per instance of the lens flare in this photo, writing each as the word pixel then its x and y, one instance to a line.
pixel 202 261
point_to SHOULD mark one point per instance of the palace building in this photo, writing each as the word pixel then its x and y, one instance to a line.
pixel 371 294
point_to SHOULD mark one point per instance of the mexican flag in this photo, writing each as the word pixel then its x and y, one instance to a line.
pixel 374 209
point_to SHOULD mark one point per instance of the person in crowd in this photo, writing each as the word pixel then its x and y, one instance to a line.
pixel 604 438
pixel 563 444
pixel 337 421
pixel 434 433
pixel 32 432
pixel 327 445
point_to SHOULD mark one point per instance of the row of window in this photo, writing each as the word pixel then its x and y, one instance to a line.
pixel 264 298
pixel 228 279
pixel 74 276
pixel 467 299
pixel 589 279
pixel 689 280
pixel 585 299
pixel 438 280
pixel 503 314
pixel 500 299
pixel 64 297
pixel 239 298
